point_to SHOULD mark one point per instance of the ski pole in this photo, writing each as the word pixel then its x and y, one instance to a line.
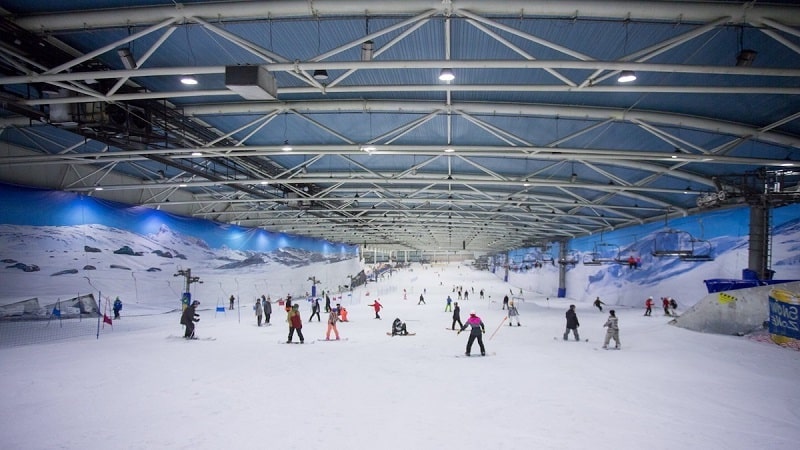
pixel 498 327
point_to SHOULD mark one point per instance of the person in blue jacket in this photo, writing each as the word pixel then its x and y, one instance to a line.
pixel 117 307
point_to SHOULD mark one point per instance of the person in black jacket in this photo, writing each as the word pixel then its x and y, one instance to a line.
pixel 572 323
pixel 456 317
pixel 188 318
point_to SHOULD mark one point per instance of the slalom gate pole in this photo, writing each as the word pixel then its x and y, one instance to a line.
pixel 498 327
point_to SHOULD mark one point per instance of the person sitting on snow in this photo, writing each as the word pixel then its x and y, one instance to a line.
pixel 399 328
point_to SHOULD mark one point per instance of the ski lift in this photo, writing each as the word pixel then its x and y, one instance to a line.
pixel 701 251
pixel 672 243
pixel 592 259
pixel 571 258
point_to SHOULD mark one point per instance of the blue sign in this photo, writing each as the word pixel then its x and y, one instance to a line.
pixel 784 318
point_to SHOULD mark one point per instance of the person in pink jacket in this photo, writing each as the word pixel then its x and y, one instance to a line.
pixel 377 305
pixel 476 332
pixel 333 317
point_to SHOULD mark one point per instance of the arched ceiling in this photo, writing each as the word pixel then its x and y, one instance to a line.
pixel 535 139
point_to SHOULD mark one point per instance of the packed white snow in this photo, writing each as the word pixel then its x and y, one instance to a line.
pixel 141 386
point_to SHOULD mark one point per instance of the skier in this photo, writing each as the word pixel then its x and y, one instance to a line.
pixel 598 304
pixel 377 305
pixel 665 305
pixel 188 318
pixel 456 317
pixel 448 306
pixel 466 295
pixel 333 317
pixel 512 314
pixel 674 305
pixel 505 302
pixel 572 323
pixel 117 307
pixel 327 303
pixel 421 300
pixel 481 293
pixel 649 305
pixel 315 310
pixel 231 300
pixel 613 329
pixel 399 328
pixel 266 305
pixel 295 323
pixel 478 328
pixel 259 310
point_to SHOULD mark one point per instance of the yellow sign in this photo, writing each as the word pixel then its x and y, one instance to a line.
pixel 726 298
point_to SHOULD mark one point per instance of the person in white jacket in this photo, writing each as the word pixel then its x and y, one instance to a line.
pixel 613 329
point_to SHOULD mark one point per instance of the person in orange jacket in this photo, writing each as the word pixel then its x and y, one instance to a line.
pixel 649 305
pixel 377 305
pixel 342 313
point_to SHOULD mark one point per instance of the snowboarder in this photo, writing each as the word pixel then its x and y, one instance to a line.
pixel 295 324
pixel 421 300
pixel 342 313
pixel 315 310
pixel 333 317
pixel 231 300
pixel 512 314
pixel 572 323
pixel 478 328
pixel 456 317
pixel 266 305
pixel 117 307
pixel 649 305
pixel 598 304
pixel 613 329
pixel 377 305
pixel 259 310
pixel 449 305
pixel 505 302
pixel 188 318
pixel 399 328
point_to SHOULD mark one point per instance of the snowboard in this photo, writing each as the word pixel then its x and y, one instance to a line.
pixel 476 355
pixel 296 342
pixel 409 334
pixel 609 348
pixel 332 340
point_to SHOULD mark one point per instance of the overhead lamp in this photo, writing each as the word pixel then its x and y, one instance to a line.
pixel 746 57
pixel 367 50
pixel 320 74
pixel 127 58
pixel 626 76
pixel 573 178
pixel 197 153
pixel 447 75
pixel 449 150
pixel 286 147
pixel 188 80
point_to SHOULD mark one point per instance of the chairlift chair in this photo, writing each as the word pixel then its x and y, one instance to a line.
pixel 672 243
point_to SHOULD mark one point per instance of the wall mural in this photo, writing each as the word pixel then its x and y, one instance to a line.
pixel 671 258
pixel 56 246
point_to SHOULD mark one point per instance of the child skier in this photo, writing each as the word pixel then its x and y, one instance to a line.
pixel 117 307
pixel 598 304
pixel 333 317
pixel 512 314
pixel 478 328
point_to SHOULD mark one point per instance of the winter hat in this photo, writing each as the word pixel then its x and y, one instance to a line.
pixel 613 313
pixel 195 303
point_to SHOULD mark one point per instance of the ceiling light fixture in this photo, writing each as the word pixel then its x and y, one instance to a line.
pixel 127 58
pixel 188 80
pixel 746 57
pixel 449 150
pixel 447 75
pixel 320 74
pixel 367 50
pixel 286 147
pixel 197 153
pixel 626 76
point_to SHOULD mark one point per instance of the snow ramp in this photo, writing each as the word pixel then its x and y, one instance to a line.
pixel 738 311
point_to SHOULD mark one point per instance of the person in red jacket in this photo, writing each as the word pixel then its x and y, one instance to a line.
pixel 649 305
pixel 665 305
pixel 376 304
pixel 295 324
